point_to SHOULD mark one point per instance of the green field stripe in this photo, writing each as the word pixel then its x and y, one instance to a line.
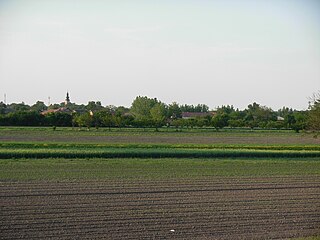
pixel 60 169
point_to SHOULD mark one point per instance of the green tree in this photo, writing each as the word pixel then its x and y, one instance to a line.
pixel 94 106
pixel 201 108
pixel 314 113
pixel 18 107
pixel 220 120
pixel 226 109
pixel 58 119
pixel 201 122
pixel 236 118
pixel 140 109
pixel 84 119
pixel 259 116
pixel 107 119
pixel 3 108
pixel 300 121
pixel 179 123
pixel 118 120
pixel 192 108
pixel 174 111
pixel 39 107
pixel 158 115
pixel 234 123
pixel 24 118
pixel 97 118
pixel 289 120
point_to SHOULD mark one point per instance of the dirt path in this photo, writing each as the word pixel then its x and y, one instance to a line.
pixel 212 208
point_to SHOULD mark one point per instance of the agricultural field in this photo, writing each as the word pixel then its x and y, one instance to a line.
pixel 148 136
pixel 142 184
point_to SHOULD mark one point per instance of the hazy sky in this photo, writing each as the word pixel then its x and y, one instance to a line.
pixel 215 52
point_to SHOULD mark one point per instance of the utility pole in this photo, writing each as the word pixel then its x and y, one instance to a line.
pixel 5 99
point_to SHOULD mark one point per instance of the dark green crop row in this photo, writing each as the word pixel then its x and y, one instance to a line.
pixel 6 153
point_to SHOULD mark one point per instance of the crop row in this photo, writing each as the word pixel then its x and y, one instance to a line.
pixel 16 145
pixel 6 153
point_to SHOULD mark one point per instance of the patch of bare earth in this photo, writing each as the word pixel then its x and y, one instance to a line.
pixel 207 208
pixel 183 139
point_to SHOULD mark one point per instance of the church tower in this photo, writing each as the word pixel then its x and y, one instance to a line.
pixel 67 101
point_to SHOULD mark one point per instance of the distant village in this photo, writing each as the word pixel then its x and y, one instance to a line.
pixel 96 106
pixel 150 112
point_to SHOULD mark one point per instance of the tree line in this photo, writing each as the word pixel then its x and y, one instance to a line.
pixel 150 112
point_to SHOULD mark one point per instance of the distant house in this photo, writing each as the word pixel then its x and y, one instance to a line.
pixel 61 110
pixel 280 118
pixel 191 115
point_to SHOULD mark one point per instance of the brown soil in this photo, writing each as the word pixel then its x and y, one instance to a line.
pixel 212 208
pixel 183 139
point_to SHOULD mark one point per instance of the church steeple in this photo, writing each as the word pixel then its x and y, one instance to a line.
pixel 67 101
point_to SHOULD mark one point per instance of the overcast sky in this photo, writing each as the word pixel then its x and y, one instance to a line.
pixel 215 52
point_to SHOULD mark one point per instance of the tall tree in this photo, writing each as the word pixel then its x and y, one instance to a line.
pixel 174 111
pixel 107 119
pixel 94 106
pixel 16 107
pixel 39 107
pixel 300 121
pixel 258 116
pixel 158 115
pixel 141 107
pixel 220 120
pixel 314 113
pixel 85 119
pixel 3 108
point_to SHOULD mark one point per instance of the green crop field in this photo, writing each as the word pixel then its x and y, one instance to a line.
pixel 170 136
pixel 105 154
pixel 141 143
pixel 47 150
pixel 32 153
pixel 148 168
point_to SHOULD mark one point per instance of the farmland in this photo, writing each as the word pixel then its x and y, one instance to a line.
pixel 147 136
pixel 220 189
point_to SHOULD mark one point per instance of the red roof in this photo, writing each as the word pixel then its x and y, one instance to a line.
pixel 62 109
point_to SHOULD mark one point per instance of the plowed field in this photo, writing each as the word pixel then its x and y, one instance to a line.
pixel 204 208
